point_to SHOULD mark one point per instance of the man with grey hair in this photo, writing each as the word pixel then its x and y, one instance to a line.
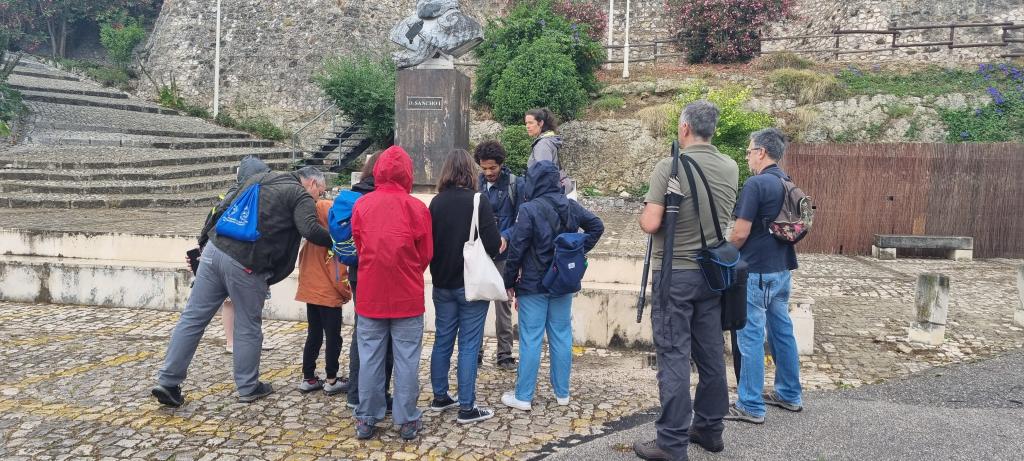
pixel 244 270
pixel 690 319
pixel 769 263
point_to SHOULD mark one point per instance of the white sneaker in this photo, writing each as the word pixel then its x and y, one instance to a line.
pixel 510 400
pixel 562 401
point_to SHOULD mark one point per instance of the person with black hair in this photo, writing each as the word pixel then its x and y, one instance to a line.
pixel 541 125
pixel 505 192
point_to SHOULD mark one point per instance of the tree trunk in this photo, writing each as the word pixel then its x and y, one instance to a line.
pixel 63 37
pixel 53 37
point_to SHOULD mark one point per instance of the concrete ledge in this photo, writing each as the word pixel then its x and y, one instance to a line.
pixel 801 312
pixel 924 241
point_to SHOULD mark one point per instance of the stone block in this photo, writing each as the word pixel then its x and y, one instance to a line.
pixel 931 305
pixel 1018 315
pixel 884 254
pixel 961 255
pixel 802 314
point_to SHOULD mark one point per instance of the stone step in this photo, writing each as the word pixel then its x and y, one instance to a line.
pixel 66 158
pixel 93 101
pixel 79 92
pixel 43 200
pixel 25 83
pixel 84 138
pixel 37 74
pixel 120 187
pixel 61 126
pixel 119 121
pixel 134 174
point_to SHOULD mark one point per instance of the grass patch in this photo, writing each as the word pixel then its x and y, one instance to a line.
pixel 807 86
pixel 108 76
pixel 258 125
pixel 657 118
pixel 913 132
pixel 609 103
pixel 896 110
pixel 925 82
pixel 783 60
pixel 10 108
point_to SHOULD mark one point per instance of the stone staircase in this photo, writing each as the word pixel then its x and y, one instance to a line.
pixel 85 146
pixel 344 142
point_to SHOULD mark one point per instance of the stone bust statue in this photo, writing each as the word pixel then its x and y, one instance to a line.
pixel 435 35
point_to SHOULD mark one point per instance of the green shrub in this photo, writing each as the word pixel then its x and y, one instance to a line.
pixel 507 38
pixel 999 121
pixel 734 122
pixel 725 30
pixel 926 82
pixel 364 88
pixel 517 146
pixel 263 127
pixel 120 39
pixel 540 76
pixel 783 60
pixel 609 103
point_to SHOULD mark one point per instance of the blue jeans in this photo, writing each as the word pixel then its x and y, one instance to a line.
pixel 406 337
pixel 456 317
pixel 537 314
pixel 768 308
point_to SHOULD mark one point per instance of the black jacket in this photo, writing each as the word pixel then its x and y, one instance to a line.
pixel 546 214
pixel 287 213
pixel 452 215
pixel 505 206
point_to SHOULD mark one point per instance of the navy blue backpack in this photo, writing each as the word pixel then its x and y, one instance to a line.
pixel 565 275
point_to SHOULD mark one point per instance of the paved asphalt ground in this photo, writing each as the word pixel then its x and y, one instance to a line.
pixel 965 412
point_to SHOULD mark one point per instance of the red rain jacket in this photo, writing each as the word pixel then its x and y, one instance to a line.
pixel 392 235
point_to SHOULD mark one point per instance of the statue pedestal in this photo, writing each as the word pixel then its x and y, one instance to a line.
pixel 431 118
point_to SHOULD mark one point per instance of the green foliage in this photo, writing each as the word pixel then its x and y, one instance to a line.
pixel 926 82
pixel 364 88
pixel 517 146
pixel 261 126
pixel 120 39
pixel 113 77
pixel 541 76
pixel 734 122
pixel 807 86
pixel 783 60
pixel 1000 121
pixel 507 39
pixel 10 108
pixel 609 102
pixel 896 110
pixel 257 124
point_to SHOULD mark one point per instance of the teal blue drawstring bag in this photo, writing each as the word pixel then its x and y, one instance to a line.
pixel 241 220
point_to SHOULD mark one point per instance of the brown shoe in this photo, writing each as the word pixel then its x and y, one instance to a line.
pixel 650 451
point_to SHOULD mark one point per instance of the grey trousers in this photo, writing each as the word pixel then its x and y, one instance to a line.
pixel 407 344
pixel 218 277
pixel 691 322
pixel 503 323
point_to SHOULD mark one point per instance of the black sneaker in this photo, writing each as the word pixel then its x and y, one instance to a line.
pixel 170 396
pixel 708 442
pixel 443 403
pixel 507 364
pixel 473 415
pixel 262 390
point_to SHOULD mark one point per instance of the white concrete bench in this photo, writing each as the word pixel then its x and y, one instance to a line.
pixel 958 248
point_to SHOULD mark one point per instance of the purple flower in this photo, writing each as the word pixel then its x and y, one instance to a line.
pixel 977 112
pixel 999 111
pixel 965 135
pixel 997 97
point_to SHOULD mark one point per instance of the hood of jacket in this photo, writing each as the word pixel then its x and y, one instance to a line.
pixel 393 170
pixel 249 166
pixel 365 185
pixel 544 182
pixel 549 137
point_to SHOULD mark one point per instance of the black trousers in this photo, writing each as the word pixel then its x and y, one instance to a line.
pixel 353 361
pixel 323 321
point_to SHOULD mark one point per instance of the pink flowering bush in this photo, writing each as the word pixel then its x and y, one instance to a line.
pixel 719 31
pixel 585 12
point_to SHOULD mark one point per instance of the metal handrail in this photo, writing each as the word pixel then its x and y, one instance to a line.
pixel 296 147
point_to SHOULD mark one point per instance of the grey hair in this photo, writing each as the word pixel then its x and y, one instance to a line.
pixel 702 116
pixel 772 140
pixel 312 173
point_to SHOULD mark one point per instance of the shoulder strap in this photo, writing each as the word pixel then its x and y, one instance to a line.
pixel 561 224
pixel 688 163
pixel 512 189
pixel 474 225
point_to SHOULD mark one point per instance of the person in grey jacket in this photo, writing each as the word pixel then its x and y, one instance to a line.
pixel 244 271
pixel 541 125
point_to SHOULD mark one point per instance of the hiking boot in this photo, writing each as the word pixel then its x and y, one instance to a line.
pixel 364 430
pixel 772 398
pixel 507 364
pixel 443 403
pixel 310 385
pixel 410 430
pixel 473 415
pixel 170 396
pixel 262 390
pixel 510 400
pixel 650 451
pixel 340 385
pixel 706 441
pixel 738 414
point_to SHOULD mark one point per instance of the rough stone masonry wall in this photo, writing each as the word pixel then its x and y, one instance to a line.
pixel 815 17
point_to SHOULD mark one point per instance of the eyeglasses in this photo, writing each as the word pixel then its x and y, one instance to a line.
pixel 751 151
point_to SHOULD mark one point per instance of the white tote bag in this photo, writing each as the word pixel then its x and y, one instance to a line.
pixel 483 282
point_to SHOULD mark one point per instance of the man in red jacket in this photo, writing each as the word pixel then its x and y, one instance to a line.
pixel 392 232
